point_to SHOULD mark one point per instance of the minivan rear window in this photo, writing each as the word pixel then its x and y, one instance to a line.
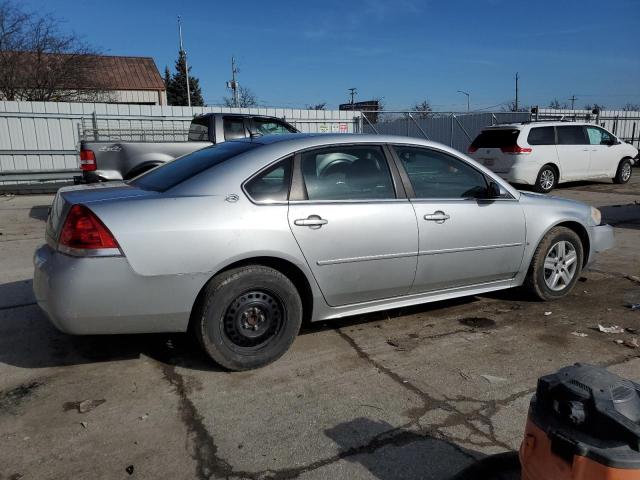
pixel 496 138
pixel 177 171
pixel 542 136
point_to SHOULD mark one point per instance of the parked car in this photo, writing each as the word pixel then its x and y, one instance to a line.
pixel 544 154
pixel 102 161
pixel 242 241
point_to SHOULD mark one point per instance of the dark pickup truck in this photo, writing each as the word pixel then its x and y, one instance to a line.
pixel 101 161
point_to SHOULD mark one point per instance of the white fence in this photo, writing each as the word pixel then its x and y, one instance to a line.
pixel 44 136
pixel 622 123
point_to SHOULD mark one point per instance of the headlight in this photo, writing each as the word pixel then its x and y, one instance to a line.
pixel 596 215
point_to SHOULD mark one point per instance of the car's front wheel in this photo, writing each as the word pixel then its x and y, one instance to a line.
pixel 556 264
pixel 547 179
pixel 248 317
pixel 623 174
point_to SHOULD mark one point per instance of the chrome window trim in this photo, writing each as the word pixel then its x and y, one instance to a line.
pixel 350 202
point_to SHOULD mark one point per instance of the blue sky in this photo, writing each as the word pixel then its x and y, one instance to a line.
pixel 294 53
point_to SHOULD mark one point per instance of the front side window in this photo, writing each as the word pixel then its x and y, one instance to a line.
pixel 597 136
pixel 347 173
pixel 272 185
pixel 199 129
pixel 571 135
pixel 542 136
pixel 435 174
pixel 233 128
pixel 265 126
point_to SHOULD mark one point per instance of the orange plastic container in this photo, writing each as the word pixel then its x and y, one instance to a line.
pixel 584 424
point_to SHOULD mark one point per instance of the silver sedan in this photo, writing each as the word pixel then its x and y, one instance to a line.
pixel 243 241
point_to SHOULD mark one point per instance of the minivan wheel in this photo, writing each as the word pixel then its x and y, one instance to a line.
pixel 623 174
pixel 556 264
pixel 547 179
pixel 248 317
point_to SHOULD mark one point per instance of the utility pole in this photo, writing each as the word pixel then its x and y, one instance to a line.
pixel 517 78
pixel 353 93
pixel 573 101
pixel 186 66
pixel 468 95
pixel 233 83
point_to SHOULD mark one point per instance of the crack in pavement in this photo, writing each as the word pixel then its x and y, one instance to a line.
pixel 456 418
pixel 19 305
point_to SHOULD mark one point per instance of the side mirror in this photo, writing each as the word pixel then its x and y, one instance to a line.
pixel 493 190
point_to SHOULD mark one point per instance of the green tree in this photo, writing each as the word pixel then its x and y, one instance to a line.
pixel 177 85
pixel 423 108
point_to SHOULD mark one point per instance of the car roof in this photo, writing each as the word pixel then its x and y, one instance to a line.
pixel 303 140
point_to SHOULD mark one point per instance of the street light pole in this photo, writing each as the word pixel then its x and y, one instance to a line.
pixel 468 95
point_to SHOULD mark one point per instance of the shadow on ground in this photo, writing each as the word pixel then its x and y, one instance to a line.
pixel 39 212
pixel 28 340
pixel 390 453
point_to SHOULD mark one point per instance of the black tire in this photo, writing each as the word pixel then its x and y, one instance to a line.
pixel 536 281
pixel 623 174
pixel 546 173
pixel 248 317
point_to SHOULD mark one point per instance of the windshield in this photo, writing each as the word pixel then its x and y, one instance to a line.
pixel 172 173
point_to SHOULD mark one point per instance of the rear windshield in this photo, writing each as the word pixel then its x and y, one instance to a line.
pixel 177 171
pixel 496 138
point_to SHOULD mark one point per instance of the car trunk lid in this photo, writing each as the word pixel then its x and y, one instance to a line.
pixel 86 195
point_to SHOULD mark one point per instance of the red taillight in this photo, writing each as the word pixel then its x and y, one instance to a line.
pixel 82 229
pixel 87 160
pixel 515 149
pixel 472 149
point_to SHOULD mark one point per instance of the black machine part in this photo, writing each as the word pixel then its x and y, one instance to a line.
pixel 589 411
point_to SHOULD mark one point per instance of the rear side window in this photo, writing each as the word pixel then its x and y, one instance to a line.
pixel 177 171
pixel 272 185
pixel 542 136
pixel 199 129
pixel 496 138
pixel 233 128
pixel 571 135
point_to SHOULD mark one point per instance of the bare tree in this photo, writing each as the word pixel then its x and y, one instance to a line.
pixel 423 108
pixel 317 106
pixel 511 107
pixel 39 62
pixel 595 106
pixel 246 98
pixel 555 103
pixel 631 107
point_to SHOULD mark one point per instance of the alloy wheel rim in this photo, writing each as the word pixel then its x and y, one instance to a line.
pixel 546 179
pixel 626 171
pixel 560 265
pixel 253 319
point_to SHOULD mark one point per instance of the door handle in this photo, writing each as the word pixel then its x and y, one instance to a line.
pixel 438 216
pixel 311 221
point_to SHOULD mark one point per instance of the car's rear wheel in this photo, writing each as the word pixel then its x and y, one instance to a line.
pixel 248 317
pixel 556 264
pixel 547 179
pixel 623 174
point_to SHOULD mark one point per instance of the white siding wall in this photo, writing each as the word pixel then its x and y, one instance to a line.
pixel 45 135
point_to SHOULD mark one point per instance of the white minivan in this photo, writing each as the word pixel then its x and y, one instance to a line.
pixel 544 154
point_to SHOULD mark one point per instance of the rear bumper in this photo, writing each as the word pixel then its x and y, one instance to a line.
pixel 100 176
pixel 602 238
pixel 522 172
pixel 105 296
